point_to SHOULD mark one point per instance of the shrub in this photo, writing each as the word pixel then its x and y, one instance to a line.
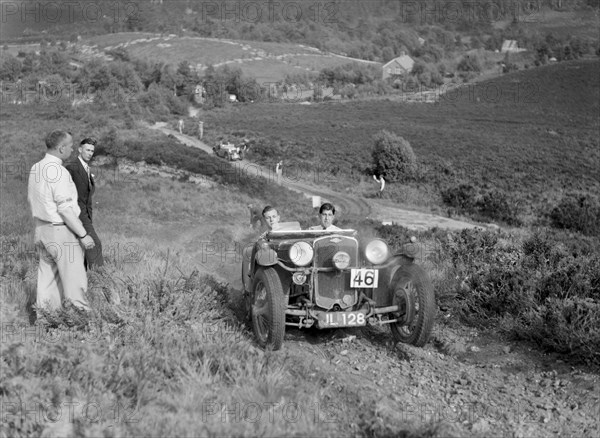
pixel 577 212
pixel 461 197
pixel 393 157
pixel 497 205
pixel 470 63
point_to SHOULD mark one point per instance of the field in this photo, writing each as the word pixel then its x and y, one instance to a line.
pixel 266 62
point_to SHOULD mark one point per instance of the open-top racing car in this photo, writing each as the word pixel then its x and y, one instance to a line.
pixel 228 151
pixel 331 279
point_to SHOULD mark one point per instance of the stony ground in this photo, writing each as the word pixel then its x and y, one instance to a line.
pixel 461 384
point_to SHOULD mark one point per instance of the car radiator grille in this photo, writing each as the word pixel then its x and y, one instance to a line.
pixel 333 287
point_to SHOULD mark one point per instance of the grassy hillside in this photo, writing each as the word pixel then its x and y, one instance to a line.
pixel 533 133
pixel 174 357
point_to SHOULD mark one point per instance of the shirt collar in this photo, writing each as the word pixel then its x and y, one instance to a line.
pixel 85 165
pixel 53 158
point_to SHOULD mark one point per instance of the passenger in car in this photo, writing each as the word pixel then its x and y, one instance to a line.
pixel 326 216
pixel 270 219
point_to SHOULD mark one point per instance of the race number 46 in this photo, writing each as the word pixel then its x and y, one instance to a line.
pixel 364 278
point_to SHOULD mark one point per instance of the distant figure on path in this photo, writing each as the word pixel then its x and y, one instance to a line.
pixel 180 126
pixel 279 171
pixel 200 129
pixel 381 181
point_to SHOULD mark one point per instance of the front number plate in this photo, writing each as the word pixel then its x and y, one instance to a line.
pixel 364 277
pixel 342 319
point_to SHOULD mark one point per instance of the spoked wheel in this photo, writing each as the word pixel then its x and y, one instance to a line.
pixel 413 293
pixel 268 312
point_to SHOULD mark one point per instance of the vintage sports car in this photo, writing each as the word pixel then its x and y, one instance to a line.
pixel 331 279
pixel 228 151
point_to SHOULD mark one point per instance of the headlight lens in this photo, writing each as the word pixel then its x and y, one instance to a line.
pixel 377 251
pixel 341 260
pixel 301 253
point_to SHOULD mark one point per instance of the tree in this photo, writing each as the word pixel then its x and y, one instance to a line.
pixel 393 157
pixel 10 69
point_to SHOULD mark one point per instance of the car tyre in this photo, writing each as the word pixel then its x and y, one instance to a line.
pixel 413 291
pixel 268 309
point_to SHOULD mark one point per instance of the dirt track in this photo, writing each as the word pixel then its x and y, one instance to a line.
pixel 349 206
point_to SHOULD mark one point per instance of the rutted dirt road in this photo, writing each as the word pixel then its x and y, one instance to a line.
pixel 348 206
pixel 461 384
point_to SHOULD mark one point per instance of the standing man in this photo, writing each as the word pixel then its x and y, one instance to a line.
pixel 279 171
pixel 180 126
pixel 326 216
pixel 381 181
pixel 200 129
pixel 86 186
pixel 59 234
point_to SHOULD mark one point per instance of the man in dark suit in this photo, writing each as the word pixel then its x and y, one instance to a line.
pixel 84 181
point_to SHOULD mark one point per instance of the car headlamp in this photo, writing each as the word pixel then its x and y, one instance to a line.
pixel 377 251
pixel 341 260
pixel 301 253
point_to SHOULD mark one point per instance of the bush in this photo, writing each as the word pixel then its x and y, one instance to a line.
pixel 489 204
pixel 461 197
pixel 393 157
pixel 545 289
pixel 497 205
pixel 470 63
pixel 577 212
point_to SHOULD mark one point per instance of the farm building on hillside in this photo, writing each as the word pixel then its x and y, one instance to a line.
pixel 399 66
pixel 510 46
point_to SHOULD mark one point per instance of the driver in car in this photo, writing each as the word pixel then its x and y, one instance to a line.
pixel 326 216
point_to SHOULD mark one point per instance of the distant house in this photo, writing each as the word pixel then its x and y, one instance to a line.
pixel 399 66
pixel 510 46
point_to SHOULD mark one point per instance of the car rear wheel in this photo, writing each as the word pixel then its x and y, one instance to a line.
pixel 268 312
pixel 413 293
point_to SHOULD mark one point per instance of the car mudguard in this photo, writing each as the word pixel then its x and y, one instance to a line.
pixel 266 257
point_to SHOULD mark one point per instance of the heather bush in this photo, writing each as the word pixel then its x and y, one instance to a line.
pixel 577 212
pixel 545 287
pixel 393 157
pixel 483 204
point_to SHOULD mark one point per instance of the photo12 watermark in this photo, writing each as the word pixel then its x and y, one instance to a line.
pixel 324 12
pixel 67 12
pixel 268 412
pixel 445 12
pixel 20 412
pixel 52 91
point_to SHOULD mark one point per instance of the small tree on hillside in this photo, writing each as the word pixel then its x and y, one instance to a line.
pixel 393 157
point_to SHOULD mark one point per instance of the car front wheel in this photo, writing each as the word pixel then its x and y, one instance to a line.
pixel 268 309
pixel 413 293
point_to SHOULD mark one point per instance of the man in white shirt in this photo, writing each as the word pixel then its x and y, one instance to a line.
pixel 59 234
pixel 381 181
pixel 326 216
